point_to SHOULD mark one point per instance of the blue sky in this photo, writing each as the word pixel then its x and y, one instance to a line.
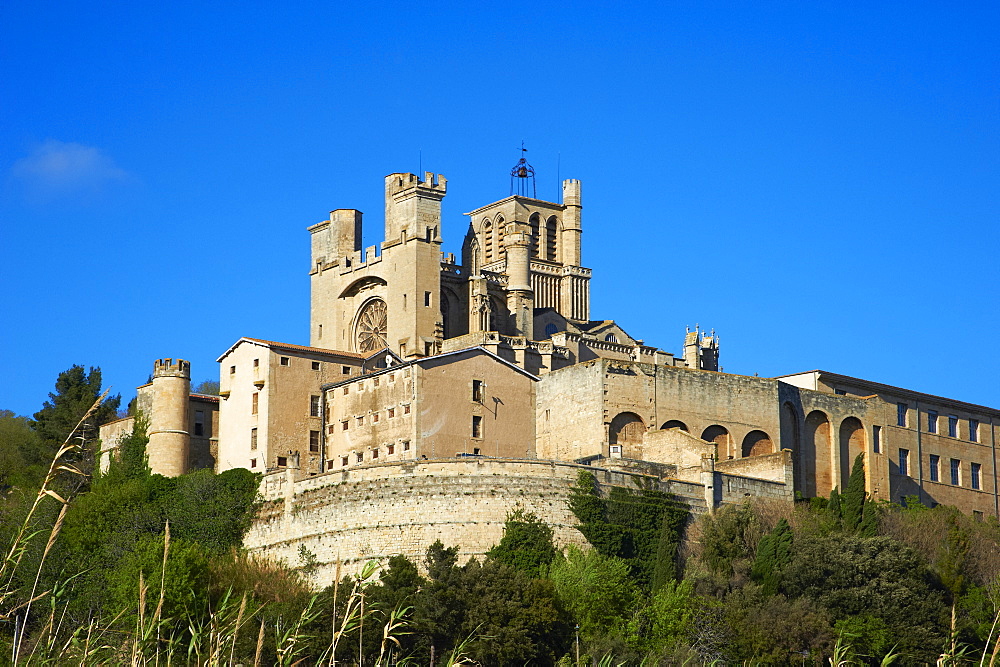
pixel 819 182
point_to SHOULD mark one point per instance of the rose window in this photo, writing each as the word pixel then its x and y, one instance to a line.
pixel 372 326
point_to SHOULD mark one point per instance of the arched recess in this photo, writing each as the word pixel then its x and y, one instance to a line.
pixel 852 443
pixel 627 428
pixel 499 315
pixel 817 463
pixel 720 436
pixel 358 286
pixel 675 423
pixel 790 439
pixel 534 221
pixel 449 312
pixel 501 226
pixel 550 238
pixel 757 443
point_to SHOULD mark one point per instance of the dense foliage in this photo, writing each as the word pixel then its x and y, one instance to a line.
pixel 127 566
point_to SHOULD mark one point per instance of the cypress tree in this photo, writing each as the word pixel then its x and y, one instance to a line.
pixel 773 553
pixel 833 506
pixel 853 500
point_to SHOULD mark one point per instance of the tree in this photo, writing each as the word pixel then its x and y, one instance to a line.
pixel 526 544
pixel 853 499
pixel 598 590
pixel 18 445
pixel 76 391
pixel 207 387
pixel 774 552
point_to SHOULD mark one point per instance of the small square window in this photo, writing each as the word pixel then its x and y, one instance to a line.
pixel 329 429
pixel 374 417
pixel 347 390
pixel 343 460
pixel 392 377
pixel 876 437
pixel 477 391
pixel 374 453
pixel 975 471
pixel 406 409
pixel 314 406
pixel 314 441
pixel 391 449
pixel 345 424
pixel 973 430
pixel 932 419
pixel 840 392
pixel 935 468
pixel 345 370
pixel 406 445
pixel 256 363
pixel 315 365
pixel 232 369
pixel 285 361
pixel 360 457
pixel 253 463
pixel 282 461
pixel 361 420
pixel 375 381
pixel 392 412
pixel 904 462
pixel 977 515
pixel 477 426
pixel 956 472
pixel 901 409
pixel 329 464
pixel 952 426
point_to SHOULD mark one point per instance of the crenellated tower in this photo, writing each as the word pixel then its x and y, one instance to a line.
pixel 169 440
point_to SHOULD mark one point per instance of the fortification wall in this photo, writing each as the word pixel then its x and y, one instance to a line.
pixel 377 511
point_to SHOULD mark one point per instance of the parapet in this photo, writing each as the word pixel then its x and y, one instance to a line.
pixel 571 192
pixel 396 183
pixel 172 368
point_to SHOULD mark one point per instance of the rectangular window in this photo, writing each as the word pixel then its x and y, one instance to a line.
pixel 475 451
pixel 314 406
pixel 253 438
pixel 392 412
pixel 285 361
pixel 232 369
pixel 347 389
pixel 375 381
pixel 974 474
pixel 314 441
pixel 256 363
pixel 360 457
pixel 199 422
pixel 427 298
pixel 329 429
pixel 391 449
pixel 406 409
pixel 973 430
pixel 343 461
pixel 315 365
pixel 346 424
pixel 932 421
pixel 956 472
pixel 329 465
pixel 374 417
pixel 392 377
pixel 876 436
pixel 477 391
pixel 952 426
pixel 840 392
pixel 406 445
pixel 977 515
pixel 900 414
pixel 904 462
pixel 253 463
pixel 254 402
pixel 361 420
pixel 374 453
pixel 477 426
pixel 282 461
pixel 935 466
pixel 345 370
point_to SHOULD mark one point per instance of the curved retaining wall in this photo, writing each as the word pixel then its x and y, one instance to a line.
pixel 375 512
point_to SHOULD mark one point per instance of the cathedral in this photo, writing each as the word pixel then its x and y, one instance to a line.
pixel 435 396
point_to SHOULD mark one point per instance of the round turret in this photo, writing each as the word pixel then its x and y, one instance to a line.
pixel 169 440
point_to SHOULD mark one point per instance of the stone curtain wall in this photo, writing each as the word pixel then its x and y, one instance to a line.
pixel 378 511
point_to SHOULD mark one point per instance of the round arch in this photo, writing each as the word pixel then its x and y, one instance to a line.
pixel 362 284
pixel 756 443
pixel 627 428
pixel 719 435
pixel 675 423
pixel 817 461
pixel 551 234
pixel 852 444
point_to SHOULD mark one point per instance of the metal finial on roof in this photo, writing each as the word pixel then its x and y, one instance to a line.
pixel 520 175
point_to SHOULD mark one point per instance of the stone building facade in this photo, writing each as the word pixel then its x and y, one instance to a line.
pixel 436 396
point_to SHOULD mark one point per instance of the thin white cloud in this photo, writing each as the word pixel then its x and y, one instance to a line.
pixel 61 168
